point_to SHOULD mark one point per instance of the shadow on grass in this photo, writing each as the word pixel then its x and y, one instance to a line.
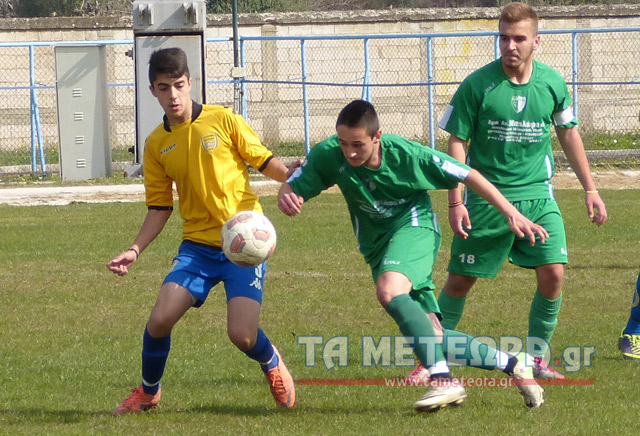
pixel 300 409
pixel 17 416
pixel 39 416
pixel 33 415
pixel 232 410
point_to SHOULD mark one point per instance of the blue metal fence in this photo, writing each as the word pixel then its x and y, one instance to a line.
pixel 294 85
pixel 431 83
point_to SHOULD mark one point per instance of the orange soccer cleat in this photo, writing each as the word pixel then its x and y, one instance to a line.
pixel 281 383
pixel 137 402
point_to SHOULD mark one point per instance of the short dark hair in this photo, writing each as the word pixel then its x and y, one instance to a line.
pixel 169 61
pixel 359 113
pixel 516 12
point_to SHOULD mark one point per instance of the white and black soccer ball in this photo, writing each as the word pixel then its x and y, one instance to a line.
pixel 248 238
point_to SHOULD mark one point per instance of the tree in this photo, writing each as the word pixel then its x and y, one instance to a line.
pixel 6 8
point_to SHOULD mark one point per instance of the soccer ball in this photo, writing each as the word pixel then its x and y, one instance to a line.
pixel 248 238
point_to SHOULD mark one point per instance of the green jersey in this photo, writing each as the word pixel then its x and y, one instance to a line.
pixel 381 200
pixel 508 127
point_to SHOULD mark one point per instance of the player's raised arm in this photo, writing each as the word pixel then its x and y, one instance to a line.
pixel 518 223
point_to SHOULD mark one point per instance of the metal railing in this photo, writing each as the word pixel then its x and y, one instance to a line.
pixel 294 86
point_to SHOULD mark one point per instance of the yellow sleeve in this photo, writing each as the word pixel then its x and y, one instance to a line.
pixel 249 145
pixel 157 184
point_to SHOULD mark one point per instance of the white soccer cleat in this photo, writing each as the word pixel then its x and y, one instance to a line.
pixel 442 393
pixel 530 390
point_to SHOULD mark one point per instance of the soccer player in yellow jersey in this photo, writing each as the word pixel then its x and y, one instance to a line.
pixel 204 150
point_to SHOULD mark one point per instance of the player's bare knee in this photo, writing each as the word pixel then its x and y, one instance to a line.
pixel 384 295
pixel 557 274
pixel 241 339
pixel 458 286
pixel 159 326
pixel 389 285
pixel 550 278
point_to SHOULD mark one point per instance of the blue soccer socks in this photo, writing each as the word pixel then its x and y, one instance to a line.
pixel 263 352
pixel 154 357
pixel 633 325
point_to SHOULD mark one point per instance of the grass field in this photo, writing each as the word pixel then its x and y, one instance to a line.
pixel 70 331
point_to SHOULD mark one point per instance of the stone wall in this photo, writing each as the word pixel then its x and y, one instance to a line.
pixel 275 110
pixel 325 23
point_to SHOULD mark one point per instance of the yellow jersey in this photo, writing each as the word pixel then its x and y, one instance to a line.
pixel 207 159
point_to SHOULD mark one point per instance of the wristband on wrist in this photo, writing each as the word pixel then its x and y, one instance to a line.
pixel 135 251
pixel 455 203
pixel 591 192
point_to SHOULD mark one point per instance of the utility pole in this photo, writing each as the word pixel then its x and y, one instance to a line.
pixel 237 72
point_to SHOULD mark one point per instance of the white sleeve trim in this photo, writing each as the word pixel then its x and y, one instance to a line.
pixel 445 118
pixel 563 117
pixel 295 175
pixel 455 170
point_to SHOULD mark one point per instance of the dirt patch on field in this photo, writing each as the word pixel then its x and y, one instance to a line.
pixel 621 179
pixel 61 195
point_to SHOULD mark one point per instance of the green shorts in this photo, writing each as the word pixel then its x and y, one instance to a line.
pixel 412 251
pixel 491 241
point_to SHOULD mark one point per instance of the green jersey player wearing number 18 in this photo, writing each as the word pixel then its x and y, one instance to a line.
pixel 500 118
pixel 384 180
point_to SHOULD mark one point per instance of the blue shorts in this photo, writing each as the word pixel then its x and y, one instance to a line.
pixel 199 267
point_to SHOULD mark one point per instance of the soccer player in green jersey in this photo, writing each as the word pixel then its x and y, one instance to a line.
pixel 384 180
pixel 205 150
pixel 500 120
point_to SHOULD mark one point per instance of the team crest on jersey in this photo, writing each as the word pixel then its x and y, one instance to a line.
pixel 518 102
pixel 210 142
